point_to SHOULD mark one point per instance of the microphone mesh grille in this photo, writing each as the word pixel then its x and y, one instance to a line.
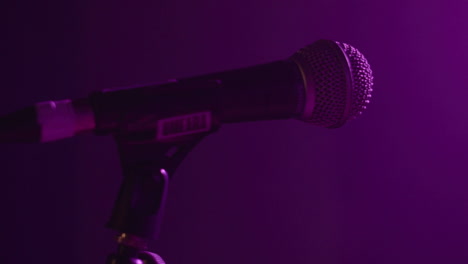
pixel 362 79
pixel 340 79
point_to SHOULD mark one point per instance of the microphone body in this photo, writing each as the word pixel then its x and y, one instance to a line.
pixel 191 105
pixel 174 109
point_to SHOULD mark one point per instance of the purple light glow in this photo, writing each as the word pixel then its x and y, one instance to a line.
pixel 388 188
pixel 164 173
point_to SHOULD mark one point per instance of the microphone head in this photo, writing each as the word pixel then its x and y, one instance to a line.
pixel 338 82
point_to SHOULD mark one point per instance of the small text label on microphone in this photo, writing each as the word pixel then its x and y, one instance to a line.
pixel 177 126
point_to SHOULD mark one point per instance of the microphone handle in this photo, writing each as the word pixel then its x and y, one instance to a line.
pixel 269 91
pixel 264 92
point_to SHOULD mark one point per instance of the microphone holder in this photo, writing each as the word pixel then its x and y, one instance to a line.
pixel 147 167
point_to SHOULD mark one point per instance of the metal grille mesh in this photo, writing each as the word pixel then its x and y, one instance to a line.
pixel 340 93
pixel 362 79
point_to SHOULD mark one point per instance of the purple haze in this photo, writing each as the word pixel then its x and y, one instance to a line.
pixel 389 187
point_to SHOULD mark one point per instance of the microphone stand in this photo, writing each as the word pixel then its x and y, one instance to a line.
pixel 147 167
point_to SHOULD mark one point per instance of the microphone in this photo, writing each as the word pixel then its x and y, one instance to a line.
pixel 326 84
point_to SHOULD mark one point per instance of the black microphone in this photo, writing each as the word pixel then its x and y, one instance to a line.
pixel 325 84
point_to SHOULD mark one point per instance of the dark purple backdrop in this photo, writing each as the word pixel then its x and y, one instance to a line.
pixel 389 187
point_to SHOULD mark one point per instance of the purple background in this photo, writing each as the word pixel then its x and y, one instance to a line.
pixel 389 187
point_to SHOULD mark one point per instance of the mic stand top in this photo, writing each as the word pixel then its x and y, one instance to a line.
pixel 147 167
